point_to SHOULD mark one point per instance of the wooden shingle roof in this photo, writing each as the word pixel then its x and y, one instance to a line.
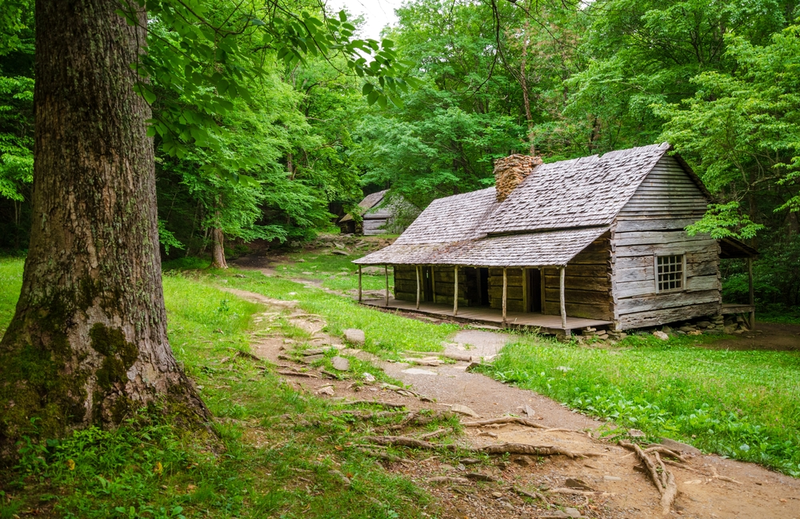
pixel 575 193
pixel 366 204
pixel 555 213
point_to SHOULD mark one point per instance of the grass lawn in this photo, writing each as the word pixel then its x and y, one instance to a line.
pixel 279 452
pixel 741 404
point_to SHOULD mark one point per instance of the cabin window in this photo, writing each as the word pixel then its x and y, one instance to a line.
pixel 670 272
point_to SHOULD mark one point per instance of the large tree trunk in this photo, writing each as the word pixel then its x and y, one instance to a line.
pixel 218 249
pixel 88 341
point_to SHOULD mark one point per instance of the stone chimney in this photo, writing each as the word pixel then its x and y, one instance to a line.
pixel 511 171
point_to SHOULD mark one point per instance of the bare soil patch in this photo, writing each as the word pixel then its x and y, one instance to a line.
pixel 613 485
pixel 766 337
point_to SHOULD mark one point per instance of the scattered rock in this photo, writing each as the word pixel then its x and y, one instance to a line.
pixel 523 461
pixel 308 359
pixel 694 332
pixel 635 433
pixel 572 512
pixel 339 252
pixel 578 484
pixel 611 478
pixel 340 363
pixel 680 447
pixel 462 409
pixel 326 390
pixel 368 377
pixel 661 335
pixel 355 336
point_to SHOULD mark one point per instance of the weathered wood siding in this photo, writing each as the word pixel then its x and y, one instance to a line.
pixel 372 227
pixel 444 286
pixel 405 283
pixel 587 284
pixel 515 291
pixel 651 224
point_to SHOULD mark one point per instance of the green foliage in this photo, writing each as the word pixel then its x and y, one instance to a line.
pixel 248 468
pixel 740 404
pixel 743 127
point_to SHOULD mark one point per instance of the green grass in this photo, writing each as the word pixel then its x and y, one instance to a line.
pixel 387 334
pixel 10 284
pixel 336 272
pixel 741 404
pixel 272 456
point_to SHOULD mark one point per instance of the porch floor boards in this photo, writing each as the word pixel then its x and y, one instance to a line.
pixel 485 315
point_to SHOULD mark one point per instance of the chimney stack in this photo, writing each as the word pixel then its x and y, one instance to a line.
pixel 511 171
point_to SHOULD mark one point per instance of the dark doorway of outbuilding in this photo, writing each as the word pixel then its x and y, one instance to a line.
pixel 483 277
pixel 535 290
pixel 427 284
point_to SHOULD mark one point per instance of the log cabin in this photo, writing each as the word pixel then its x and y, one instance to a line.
pixel 598 241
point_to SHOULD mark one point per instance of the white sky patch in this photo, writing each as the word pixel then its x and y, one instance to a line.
pixel 377 13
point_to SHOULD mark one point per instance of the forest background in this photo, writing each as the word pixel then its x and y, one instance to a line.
pixel 306 139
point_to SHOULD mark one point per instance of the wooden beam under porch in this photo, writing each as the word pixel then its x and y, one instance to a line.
pixel 551 324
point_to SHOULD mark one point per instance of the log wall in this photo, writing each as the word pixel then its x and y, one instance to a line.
pixel 405 283
pixel 515 289
pixel 439 291
pixel 587 284
pixel 652 224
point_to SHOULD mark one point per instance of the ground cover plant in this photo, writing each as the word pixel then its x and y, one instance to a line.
pixel 275 451
pixel 741 404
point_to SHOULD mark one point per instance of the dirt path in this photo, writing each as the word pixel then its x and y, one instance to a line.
pixel 619 490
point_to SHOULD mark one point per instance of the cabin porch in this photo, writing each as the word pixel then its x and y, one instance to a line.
pixel 551 324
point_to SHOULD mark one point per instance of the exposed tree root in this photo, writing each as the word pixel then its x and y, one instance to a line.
pixel 664 451
pixel 296 374
pixel 434 434
pixel 532 495
pixel 449 479
pixel 382 455
pixel 388 405
pixel 504 420
pixel 503 448
pixel 366 415
pixel 664 482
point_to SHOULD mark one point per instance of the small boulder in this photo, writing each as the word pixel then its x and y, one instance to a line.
pixel 339 252
pixel 661 335
pixel 340 363
pixel 680 447
pixel 368 377
pixel 355 336
pixel 462 409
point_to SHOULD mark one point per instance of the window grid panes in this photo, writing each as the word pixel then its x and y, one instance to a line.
pixel 670 273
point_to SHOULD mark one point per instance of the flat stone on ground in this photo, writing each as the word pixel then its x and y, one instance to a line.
pixel 680 447
pixel 340 363
pixel 462 409
pixel 355 336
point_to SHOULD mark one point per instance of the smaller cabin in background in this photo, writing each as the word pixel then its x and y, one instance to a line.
pixel 379 216
pixel 592 242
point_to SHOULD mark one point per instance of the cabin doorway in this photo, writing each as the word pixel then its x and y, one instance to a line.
pixel 535 291
pixel 483 286
pixel 427 285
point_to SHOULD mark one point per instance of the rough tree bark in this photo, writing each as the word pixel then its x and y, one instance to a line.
pixel 218 250
pixel 88 343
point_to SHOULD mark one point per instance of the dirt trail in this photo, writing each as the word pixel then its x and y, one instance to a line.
pixel 620 490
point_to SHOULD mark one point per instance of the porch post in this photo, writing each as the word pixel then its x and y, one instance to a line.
pixel 563 304
pixel 359 283
pixel 505 292
pixel 386 275
pixel 752 293
pixel 416 270
pixel 455 292
pixel 433 283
